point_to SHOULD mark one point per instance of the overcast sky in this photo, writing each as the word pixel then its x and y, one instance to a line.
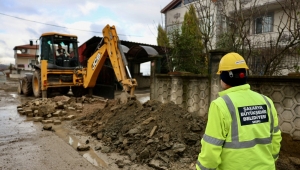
pixel 22 20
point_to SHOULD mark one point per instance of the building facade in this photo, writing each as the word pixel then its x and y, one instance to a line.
pixel 25 56
pixel 271 27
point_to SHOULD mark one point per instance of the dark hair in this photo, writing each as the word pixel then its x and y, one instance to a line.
pixel 235 77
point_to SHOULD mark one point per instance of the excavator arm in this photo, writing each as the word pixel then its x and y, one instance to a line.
pixel 109 47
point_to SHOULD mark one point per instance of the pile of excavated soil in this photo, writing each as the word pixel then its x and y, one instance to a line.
pixel 289 157
pixel 146 132
pixel 161 132
pixel 154 133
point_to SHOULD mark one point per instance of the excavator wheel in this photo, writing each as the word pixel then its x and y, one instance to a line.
pixel 26 86
pixel 36 83
pixel 78 91
pixel 20 87
pixel 64 90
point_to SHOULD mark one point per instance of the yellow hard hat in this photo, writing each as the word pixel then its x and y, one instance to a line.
pixel 232 61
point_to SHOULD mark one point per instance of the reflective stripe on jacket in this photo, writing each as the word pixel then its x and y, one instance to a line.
pixel 241 133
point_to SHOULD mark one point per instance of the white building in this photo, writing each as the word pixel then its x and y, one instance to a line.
pixel 25 56
pixel 259 23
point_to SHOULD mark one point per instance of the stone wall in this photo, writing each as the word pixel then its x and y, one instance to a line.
pixel 190 92
pixel 285 93
pixel 196 92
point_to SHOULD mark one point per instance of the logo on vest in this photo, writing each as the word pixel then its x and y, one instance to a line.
pixel 253 114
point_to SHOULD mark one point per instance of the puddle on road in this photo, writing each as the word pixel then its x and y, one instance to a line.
pixel 13 125
pixel 14 95
pixel 73 142
pixel 94 159
pixel 90 155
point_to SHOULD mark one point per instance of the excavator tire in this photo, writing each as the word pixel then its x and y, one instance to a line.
pixel 37 83
pixel 78 91
pixel 20 88
pixel 26 86
pixel 64 90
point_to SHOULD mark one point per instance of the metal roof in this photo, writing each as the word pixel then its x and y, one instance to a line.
pixel 134 51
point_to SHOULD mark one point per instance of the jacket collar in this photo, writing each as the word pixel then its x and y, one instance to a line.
pixel 234 89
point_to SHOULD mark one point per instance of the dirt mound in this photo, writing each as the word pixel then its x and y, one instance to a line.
pixel 160 135
pixel 148 131
pixel 157 132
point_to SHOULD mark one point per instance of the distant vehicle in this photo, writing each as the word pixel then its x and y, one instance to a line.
pixel 2 76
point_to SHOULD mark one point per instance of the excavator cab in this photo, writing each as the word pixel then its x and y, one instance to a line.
pixel 57 59
pixel 49 47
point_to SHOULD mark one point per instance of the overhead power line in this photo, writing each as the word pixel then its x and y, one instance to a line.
pixel 61 26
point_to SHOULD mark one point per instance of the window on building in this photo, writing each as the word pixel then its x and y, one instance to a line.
pixel 264 24
pixel 20 66
pixel 189 1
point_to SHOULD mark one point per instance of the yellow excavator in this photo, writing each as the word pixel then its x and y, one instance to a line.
pixel 58 68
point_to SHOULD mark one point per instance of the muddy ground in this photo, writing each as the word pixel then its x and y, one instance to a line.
pixel 147 135
pixel 24 144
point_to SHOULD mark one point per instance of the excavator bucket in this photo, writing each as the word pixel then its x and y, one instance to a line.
pixel 124 97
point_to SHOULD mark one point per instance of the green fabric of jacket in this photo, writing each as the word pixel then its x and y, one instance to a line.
pixel 248 140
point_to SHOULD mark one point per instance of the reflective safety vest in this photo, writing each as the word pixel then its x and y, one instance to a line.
pixel 242 132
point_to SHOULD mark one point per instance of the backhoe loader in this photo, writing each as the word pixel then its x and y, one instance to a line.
pixel 59 69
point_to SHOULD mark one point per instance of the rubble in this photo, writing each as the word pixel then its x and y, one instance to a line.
pixel 152 133
pixel 83 148
pixel 160 135
pixel 47 127
pixel 54 110
pixel 37 119
pixel 56 122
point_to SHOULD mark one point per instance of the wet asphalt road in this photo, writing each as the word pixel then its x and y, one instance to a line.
pixel 24 145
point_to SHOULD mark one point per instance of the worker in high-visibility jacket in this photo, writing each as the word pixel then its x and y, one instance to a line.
pixel 242 131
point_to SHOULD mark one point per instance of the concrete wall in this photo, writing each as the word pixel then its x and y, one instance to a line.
pixel 16 74
pixel 143 81
pixel 190 92
pixel 175 16
pixel 195 93
pixel 285 93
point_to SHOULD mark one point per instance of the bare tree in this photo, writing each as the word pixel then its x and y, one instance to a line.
pixel 206 12
pixel 265 32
